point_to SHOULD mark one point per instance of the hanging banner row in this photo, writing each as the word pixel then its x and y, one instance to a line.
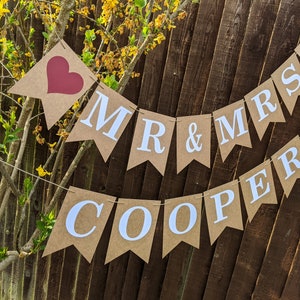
pixel 60 78
pixel 84 214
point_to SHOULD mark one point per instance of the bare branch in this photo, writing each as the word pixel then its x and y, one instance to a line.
pixel 10 182
pixel 11 256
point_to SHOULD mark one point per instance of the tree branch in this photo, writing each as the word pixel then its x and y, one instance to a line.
pixel 60 24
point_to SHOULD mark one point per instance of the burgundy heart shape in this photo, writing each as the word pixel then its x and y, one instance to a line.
pixel 60 80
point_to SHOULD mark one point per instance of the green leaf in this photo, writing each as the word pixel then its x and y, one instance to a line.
pixel 6 125
pixel 140 3
pixel 88 57
pixel 22 199
pixel 45 35
pixel 111 81
pixel 90 35
pixel 11 138
pixel 3 149
pixel 3 253
pixel 132 39
pixel 31 32
pixel 28 185
pixel 145 31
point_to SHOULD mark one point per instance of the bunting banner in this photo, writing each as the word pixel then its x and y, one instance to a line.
pixel 182 220
pixel 223 209
pixel 264 107
pixel 258 188
pixel 193 140
pixel 84 214
pixel 287 164
pixel 231 127
pixel 287 81
pixel 58 79
pixel 133 228
pixel 103 120
pixel 151 140
pixel 61 78
pixel 80 222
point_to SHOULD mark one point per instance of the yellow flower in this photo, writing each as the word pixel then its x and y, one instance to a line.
pixel 42 172
pixel 181 15
pixel 3 10
pixel 3 44
pixel 109 7
pixel 40 139
pixel 75 105
pixel 160 19
pixel 160 37
pixel 51 147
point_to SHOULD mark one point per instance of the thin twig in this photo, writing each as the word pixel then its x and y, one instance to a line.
pixel 17 163
pixel 26 43
pixel 10 182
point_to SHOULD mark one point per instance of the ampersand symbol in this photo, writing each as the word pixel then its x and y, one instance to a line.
pixel 192 143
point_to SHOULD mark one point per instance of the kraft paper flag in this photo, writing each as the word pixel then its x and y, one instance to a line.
pixel 182 220
pixel 287 81
pixel 297 50
pixel 223 209
pixel 80 222
pixel 193 140
pixel 133 228
pixel 258 188
pixel 151 140
pixel 264 107
pixel 231 127
pixel 58 79
pixel 103 120
pixel 287 164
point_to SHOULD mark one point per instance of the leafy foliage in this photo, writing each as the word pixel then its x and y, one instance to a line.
pixel 3 253
pixel 45 226
pixel 10 130
pixel 27 188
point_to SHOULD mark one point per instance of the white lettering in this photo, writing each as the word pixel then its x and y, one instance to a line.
pixel 260 105
pixel 220 206
pixel 173 217
pixel 120 115
pixel 124 222
pixel 231 129
pixel 288 80
pixel 254 185
pixel 288 162
pixel 147 135
pixel 72 216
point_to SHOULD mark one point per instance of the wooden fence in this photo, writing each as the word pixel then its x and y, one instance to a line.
pixel 219 53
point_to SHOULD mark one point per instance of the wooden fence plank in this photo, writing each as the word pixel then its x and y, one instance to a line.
pixel 219 84
pixel 251 253
pixel 171 185
pixel 147 97
pixel 281 249
pixel 55 274
pixel 193 87
pixel 256 234
pixel 292 287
